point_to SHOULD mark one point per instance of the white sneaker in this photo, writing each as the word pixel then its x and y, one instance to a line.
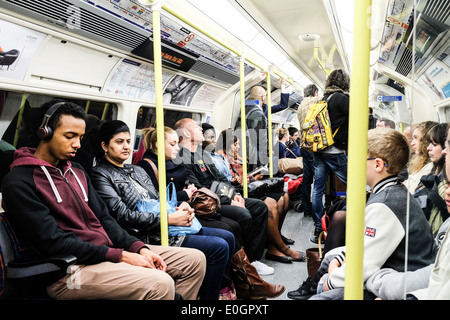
pixel 263 269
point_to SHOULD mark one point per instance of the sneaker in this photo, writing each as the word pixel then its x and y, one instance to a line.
pixel 305 291
pixel 262 269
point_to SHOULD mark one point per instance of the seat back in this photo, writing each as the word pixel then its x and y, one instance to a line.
pixel 12 248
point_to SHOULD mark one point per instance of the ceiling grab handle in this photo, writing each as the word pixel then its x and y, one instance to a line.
pixel 357 151
pixel 156 17
pixel 318 59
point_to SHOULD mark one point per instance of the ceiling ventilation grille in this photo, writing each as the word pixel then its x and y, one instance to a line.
pixel 438 9
pixel 59 12
pixel 404 65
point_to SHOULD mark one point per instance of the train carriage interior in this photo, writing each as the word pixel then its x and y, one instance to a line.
pixel 99 55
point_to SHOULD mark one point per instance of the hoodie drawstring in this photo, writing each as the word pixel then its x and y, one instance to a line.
pixel 52 184
pixel 81 186
pixel 55 190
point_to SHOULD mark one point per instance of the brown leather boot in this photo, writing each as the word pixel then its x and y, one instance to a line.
pixel 247 281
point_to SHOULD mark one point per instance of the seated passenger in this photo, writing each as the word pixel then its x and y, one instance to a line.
pixel 420 163
pixel 122 185
pixel 437 288
pixel 209 145
pixel 277 202
pixel 430 191
pixel 52 205
pixel 385 218
pixel 177 173
pixel 294 141
pixel 251 214
pixel 281 145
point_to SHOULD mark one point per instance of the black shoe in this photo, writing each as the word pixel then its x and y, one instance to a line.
pixel 315 237
pixel 287 240
pixel 305 291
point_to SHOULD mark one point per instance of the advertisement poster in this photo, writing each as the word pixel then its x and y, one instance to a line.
pixel 17 47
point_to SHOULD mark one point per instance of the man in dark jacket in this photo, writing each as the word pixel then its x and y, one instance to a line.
pixel 250 213
pixel 256 112
pixel 52 204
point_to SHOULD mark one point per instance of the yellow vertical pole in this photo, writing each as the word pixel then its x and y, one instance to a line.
pixel 156 9
pixel 269 122
pixel 357 151
pixel 19 118
pixel 243 127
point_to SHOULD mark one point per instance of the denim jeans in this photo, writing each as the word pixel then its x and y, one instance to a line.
pixel 218 247
pixel 308 176
pixel 323 164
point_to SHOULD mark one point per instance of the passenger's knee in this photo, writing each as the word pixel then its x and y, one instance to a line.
pixel 161 288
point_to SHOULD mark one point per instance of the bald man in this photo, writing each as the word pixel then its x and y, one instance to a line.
pixel 256 124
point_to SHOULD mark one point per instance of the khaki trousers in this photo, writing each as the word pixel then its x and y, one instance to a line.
pixel 112 281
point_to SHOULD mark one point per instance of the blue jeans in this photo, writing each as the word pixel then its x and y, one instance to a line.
pixel 323 164
pixel 218 247
pixel 308 176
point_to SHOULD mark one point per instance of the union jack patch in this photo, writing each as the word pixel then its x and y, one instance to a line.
pixel 370 232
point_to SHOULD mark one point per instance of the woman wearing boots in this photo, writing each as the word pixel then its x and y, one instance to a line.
pixel 247 281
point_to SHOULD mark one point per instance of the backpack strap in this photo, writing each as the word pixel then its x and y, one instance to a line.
pixel 328 99
pixel 155 170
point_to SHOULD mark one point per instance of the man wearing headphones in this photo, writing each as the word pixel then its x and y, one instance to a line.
pixel 53 206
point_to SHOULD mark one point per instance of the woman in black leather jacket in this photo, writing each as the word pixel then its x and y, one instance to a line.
pixel 121 185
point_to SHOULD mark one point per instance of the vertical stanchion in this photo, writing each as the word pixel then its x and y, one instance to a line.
pixel 243 127
pixel 357 151
pixel 156 9
pixel 269 123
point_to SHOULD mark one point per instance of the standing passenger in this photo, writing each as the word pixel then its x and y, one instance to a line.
pixel 311 94
pixel 256 124
pixel 52 204
pixel 333 158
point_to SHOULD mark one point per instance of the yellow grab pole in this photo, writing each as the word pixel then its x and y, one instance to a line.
pixel 269 122
pixel 243 127
pixel 19 118
pixel 357 152
pixel 156 10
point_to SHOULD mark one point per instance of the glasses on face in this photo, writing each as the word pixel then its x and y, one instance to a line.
pixel 385 163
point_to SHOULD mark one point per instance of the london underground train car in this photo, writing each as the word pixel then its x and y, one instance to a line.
pixel 153 63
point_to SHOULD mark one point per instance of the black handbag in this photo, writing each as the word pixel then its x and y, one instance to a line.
pixel 260 188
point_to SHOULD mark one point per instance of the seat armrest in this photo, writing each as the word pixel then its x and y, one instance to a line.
pixel 22 269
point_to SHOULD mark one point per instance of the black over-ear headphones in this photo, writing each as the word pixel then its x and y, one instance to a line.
pixel 45 132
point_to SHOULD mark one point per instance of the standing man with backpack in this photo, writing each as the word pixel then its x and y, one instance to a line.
pixel 334 157
pixel 311 96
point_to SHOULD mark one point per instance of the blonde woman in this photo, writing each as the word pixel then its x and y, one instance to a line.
pixel 420 163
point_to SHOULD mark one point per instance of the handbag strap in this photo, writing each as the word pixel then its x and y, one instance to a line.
pixel 155 170
pixel 291 152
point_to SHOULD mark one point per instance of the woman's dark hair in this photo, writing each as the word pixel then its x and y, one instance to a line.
pixel 226 138
pixel 106 132
pixel 340 79
pixel 438 134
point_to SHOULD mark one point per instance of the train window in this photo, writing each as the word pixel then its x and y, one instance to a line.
pixel 147 118
pixel 20 116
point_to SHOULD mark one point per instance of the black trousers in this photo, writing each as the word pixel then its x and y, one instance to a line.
pixel 253 222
